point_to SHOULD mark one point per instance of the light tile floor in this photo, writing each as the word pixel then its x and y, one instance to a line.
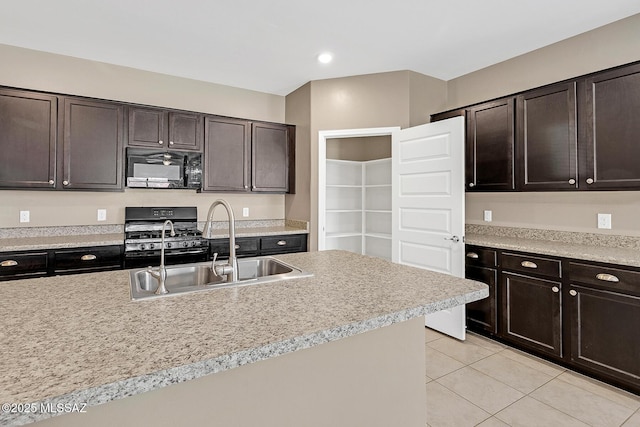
pixel 478 382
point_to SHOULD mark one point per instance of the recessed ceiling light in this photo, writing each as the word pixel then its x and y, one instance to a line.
pixel 325 58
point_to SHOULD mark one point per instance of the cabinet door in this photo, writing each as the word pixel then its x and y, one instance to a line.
pixel 27 140
pixel 547 138
pixel 489 146
pixel 226 154
pixel 92 145
pixel 605 335
pixel 531 313
pixel 185 131
pixel 270 158
pixel 483 314
pixel 147 127
pixel 610 130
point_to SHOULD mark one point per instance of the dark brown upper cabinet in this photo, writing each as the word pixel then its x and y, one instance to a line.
pixel 610 130
pixel 242 156
pixel 93 145
pixel 159 128
pixel 489 146
pixel 270 157
pixel 227 154
pixel 546 139
pixel 28 138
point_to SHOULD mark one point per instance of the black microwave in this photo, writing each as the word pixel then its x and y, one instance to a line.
pixel 149 168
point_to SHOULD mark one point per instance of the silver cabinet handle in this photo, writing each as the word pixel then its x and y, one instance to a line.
pixel 471 184
pixel 170 142
pixel 65 182
pixel 529 264
pixel 161 142
pixel 8 263
pixel 246 186
pixel 281 242
pixel 88 257
pixel 555 289
pixel 237 246
pixel 607 277
pixel 51 182
pixel 472 255
pixel 572 181
pixel 573 293
pixel 589 180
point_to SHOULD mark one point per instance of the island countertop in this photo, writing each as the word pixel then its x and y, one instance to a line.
pixel 71 339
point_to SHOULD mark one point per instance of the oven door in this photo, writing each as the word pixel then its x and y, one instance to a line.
pixel 171 257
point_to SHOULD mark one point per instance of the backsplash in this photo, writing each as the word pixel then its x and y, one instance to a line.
pixel 594 239
pixel 83 230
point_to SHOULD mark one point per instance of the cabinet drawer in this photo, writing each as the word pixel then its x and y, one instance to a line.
pixel 605 277
pixel 531 265
pixel 481 256
pixel 293 243
pixel 88 259
pixel 21 265
pixel 244 246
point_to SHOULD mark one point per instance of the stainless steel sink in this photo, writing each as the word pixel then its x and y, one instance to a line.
pixel 198 277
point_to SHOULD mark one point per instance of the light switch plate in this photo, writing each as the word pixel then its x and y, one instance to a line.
pixel 245 212
pixel 604 221
pixel 488 216
pixel 102 214
pixel 24 216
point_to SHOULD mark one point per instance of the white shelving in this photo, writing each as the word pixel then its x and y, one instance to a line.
pixel 358 206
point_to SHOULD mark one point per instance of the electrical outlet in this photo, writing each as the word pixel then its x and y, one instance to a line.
pixel 102 214
pixel 487 216
pixel 24 216
pixel 245 212
pixel 604 221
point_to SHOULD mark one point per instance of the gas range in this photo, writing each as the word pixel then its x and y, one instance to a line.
pixel 143 236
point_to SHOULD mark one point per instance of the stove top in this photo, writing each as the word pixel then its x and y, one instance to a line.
pixel 143 230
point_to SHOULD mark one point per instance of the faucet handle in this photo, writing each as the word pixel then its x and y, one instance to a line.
pixel 213 263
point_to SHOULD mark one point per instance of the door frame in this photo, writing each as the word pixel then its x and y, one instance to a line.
pixel 323 135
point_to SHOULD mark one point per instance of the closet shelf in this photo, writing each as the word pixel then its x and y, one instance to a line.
pixel 378 235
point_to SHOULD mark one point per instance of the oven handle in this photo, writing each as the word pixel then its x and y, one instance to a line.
pixel 185 253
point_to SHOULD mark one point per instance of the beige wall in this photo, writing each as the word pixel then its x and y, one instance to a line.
pixel 605 47
pixel 367 101
pixel 31 69
pixel 298 112
pixel 359 149
pixel 374 379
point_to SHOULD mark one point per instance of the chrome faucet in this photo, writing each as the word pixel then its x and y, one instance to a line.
pixel 161 275
pixel 231 268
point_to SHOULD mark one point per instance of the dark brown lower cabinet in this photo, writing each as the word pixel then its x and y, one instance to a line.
pixel 259 245
pixel 532 312
pixel 584 315
pixel 483 314
pixel 604 312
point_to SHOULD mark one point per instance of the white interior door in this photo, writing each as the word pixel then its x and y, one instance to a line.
pixel 428 206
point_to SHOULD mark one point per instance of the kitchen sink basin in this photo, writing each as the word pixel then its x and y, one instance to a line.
pixel 197 277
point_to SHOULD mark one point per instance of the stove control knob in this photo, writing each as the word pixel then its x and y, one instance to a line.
pixel 185 244
pixel 195 243
pixel 151 245
pixel 143 247
pixel 168 245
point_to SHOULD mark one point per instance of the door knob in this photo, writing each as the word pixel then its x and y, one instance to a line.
pixel 455 239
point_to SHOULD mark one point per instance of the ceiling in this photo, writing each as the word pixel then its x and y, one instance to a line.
pixel 271 45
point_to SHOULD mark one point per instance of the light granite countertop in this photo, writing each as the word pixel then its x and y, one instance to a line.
pixel 23 241
pixel 72 339
pixel 584 251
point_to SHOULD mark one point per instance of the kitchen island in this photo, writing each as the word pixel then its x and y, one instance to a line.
pixel 342 347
